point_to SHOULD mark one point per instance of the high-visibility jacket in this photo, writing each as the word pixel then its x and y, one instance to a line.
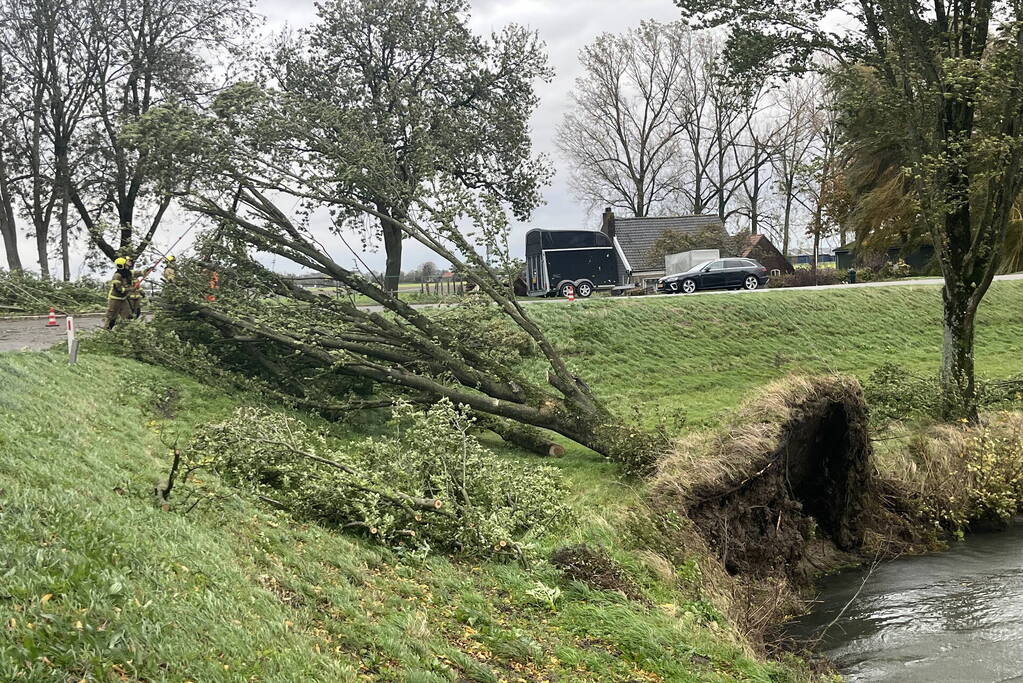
pixel 117 289
pixel 135 291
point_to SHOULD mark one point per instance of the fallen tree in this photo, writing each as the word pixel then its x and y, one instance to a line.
pixel 261 150
pixel 430 484
pixel 463 355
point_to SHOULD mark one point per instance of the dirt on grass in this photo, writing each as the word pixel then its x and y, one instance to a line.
pixel 594 567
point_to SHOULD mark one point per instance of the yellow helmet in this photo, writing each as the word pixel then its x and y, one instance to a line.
pixel 120 261
pixel 170 258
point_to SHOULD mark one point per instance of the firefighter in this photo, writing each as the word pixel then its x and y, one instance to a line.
pixel 169 270
pixel 135 293
pixel 117 296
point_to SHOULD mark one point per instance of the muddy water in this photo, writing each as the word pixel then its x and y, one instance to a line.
pixel 953 616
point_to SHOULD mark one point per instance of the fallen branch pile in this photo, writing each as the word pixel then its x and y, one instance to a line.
pixel 430 485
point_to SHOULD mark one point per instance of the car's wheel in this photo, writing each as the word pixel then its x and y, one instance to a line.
pixel 751 282
pixel 584 290
pixel 689 286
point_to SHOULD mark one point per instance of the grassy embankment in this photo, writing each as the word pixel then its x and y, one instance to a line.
pixel 100 582
pixel 701 356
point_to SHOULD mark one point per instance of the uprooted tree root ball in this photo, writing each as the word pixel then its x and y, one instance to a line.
pixel 783 489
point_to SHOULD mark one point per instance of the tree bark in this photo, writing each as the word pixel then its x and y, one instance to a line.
pixel 8 221
pixel 65 250
pixel 393 236
pixel 533 440
pixel 959 397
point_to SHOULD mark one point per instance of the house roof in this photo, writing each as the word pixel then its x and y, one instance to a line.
pixel 637 236
pixel 755 241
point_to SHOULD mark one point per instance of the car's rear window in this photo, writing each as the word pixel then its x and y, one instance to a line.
pixel 736 264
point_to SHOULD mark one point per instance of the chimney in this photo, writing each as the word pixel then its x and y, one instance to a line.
pixel 607 223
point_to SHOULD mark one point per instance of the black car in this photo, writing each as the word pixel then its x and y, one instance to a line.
pixel 728 273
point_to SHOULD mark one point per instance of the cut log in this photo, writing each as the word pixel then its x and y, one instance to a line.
pixel 523 436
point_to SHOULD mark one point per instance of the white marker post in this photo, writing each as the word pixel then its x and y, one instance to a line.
pixel 72 343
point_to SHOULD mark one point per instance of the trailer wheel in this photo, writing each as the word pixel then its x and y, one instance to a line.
pixel 563 289
pixel 584 289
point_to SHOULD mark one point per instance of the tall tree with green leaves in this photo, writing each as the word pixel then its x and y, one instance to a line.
pixel 949 71
pixel 425 97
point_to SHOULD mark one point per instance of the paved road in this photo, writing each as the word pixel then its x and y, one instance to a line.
pixel 32 334
pixel 931 282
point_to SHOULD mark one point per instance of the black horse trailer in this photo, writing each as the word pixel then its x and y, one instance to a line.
pixel 584 259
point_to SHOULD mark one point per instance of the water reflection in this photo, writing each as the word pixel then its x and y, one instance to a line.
pixel 955 616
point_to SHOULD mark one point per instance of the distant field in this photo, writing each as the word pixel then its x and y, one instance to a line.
pixel 702 355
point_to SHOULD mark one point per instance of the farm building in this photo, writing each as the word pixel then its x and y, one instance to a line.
pixel 635 237
pixel 920 257
pixel 805 258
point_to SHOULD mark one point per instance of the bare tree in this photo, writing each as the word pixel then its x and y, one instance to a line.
pixel 797 104
pixel 42 41
pixel 623 136
pixel 8 127
pixel 760 148
pixel 721 154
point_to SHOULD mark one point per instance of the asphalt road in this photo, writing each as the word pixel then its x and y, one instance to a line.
pixel 32 334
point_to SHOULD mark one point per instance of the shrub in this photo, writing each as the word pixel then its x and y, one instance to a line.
pixel 893 394
pixel 957 474
pixel 803 277
pixel 895 269
pixel 429 485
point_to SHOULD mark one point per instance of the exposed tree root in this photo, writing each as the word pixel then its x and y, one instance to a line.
pixel 783 491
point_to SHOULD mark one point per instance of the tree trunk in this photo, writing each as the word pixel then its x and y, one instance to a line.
pixel 754 203
pixel 526 437
pixel 786 223
pixel 42 246
pixel 9 233
pixel 959 399
pixel 65 252
pixel 392 249
pixel 8 222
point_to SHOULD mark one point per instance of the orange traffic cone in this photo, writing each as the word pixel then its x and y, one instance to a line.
pixel 52 320
pixel 571 293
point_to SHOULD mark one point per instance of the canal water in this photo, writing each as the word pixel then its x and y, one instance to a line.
pixel 948 617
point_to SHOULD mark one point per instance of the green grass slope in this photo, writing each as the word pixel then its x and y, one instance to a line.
pixel 99 583
pixel 700 356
